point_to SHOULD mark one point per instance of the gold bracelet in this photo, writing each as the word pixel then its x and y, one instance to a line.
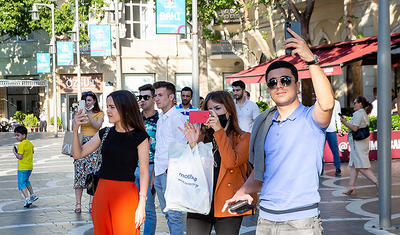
pixel 143 195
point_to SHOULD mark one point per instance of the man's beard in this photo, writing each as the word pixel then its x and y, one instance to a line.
pixel 185 102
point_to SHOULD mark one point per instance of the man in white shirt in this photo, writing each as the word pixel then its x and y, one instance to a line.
pixel 167 132
pixel 334 126
pixel 247 111
pixel 374 111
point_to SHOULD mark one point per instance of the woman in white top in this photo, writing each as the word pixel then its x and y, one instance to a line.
pixel 359 160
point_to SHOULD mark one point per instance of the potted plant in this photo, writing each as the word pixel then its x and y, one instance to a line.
pixel 59 123
pixel 19 117
pixel 30 121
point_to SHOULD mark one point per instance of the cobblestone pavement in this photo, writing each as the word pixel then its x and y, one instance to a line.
pixel 52 180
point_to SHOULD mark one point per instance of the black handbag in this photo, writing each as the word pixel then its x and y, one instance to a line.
pixel 92 179
pixel 361 133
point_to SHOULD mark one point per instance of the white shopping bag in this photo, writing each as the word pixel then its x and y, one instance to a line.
pixel 189 178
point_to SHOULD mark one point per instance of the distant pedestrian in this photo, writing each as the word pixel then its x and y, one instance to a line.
pixel 201 101
pixel 124 145
pixel 167 132
pixel 24 154
pixel 374 111
pixel 334 127
pixel 150 117
pixel 247 110
pixel 286 149
pixel 86 165
pixel 186 106
pixel 248 95
pixel 359 154
pixel 231 152
pixel 43 121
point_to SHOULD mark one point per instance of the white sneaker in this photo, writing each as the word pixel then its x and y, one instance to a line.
pixel 27 203
pixel 33 198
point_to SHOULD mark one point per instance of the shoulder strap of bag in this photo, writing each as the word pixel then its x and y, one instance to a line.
pixel 100 148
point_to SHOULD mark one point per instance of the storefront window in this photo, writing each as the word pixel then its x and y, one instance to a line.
pixel 132 82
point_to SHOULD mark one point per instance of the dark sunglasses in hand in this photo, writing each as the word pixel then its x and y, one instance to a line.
pixel 145 97
pixel 273 82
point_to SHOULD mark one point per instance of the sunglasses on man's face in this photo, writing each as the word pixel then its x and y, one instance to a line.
pixel 273 82
pixel 144 97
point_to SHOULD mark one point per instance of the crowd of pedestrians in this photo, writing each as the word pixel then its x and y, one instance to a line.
pixel 254 154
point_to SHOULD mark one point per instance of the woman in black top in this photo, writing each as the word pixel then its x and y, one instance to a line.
pixel 117 199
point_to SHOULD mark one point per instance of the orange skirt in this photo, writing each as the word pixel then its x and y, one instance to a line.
pixel 114 207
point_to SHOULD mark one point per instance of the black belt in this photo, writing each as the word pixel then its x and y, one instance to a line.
pixel 305 208
pixel 151 163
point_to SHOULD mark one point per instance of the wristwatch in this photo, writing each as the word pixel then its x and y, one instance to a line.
pixel 314 61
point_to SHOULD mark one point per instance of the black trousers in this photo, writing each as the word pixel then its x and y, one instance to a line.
pixel 43 126
pixel 222 226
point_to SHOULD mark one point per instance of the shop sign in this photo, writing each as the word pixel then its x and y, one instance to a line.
pixel 65 53
pixel 89 82
pixel 344 147
pixel 23 83
pixel 43 62
pixel 100 39
pixel 171 17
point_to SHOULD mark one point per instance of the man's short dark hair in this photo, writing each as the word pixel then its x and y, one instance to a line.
pixel 186 88
pixel 282 64
pixel 21 130
pixel 240 84
pixel 147 87
pixel 248 93
pixel 167 85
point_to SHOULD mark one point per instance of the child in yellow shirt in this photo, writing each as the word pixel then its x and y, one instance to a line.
pixel 24 154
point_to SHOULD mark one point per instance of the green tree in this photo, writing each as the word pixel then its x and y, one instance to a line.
pixel 16 17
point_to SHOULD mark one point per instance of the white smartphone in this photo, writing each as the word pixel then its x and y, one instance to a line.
pixel 81 106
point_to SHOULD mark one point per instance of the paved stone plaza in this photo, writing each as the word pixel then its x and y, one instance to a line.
pixel 52 180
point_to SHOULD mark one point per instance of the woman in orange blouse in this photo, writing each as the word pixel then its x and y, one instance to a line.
pixel 231 152
pixel 86 165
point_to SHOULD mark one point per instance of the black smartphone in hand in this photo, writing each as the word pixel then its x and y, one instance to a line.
pixel 341 115
pixel 296 27
pixel 15 149
pixel 241 207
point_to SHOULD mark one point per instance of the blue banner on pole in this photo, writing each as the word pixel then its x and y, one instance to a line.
pixel 171 17
pixel 43 62
pixel 100 39
pixel 65 53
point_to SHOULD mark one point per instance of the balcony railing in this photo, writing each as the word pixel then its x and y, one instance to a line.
pixel 225 48
pixel 228 16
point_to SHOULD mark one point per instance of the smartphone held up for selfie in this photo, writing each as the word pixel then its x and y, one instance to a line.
pixel 296 27
pixel 199 116
pixel 81 106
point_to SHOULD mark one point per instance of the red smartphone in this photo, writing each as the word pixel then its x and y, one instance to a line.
pixel 199 116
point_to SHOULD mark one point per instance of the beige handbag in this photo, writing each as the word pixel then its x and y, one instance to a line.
pixel 67 143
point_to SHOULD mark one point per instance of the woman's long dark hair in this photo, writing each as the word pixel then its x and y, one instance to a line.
pixel 367 106
pixel 96 107
pixel 128 109
pixel 223 97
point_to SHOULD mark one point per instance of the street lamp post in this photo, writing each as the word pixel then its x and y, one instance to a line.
pixel 78 52
pixel 35 16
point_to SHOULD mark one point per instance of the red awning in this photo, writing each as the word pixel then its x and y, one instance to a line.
pixel 332 57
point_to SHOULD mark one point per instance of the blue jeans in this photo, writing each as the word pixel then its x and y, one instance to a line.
pixel 151 216
pixel 174 218
pixel 333 145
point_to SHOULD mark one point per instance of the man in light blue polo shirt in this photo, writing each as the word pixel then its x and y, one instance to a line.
pixel 286 149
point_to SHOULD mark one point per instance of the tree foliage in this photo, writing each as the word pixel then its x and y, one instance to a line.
pixel 16 16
